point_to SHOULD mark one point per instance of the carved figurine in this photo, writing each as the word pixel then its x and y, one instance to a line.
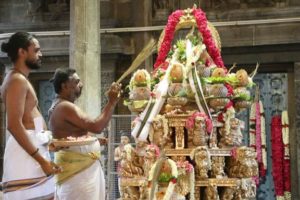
pixel 201 157
pixel 234 137
pixel 218 164
pixel 150 157
pixel 159 131
pixel 244 165
pixel 128 169
pixel 211 192
pixel 200 137
pixel 228 193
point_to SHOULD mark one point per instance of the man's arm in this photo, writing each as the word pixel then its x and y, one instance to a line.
pixel 15 106
pixel 117 156
pixel 78 118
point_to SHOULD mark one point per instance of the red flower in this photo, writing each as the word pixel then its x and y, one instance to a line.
pixel 173 180
pixel 152 94
pixel 229 89
pixel 169 35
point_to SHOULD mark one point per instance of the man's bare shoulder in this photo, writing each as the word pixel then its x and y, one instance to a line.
pixel 66 106
pixel 14 82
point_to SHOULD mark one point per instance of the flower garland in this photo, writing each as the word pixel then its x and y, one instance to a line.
pixel 286 160
pixel 169 35
pixel 173 180
pixel 190 122
pixel 252 137
pixel 263 169
pixel 203 28
pixel 213 51
pixel 258 135
pixel 277 156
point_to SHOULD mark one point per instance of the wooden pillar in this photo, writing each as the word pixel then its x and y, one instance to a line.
pixel 85 51
pixel 294 120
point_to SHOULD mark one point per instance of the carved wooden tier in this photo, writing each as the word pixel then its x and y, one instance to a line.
pixel 224 182
pixel 140 181
pixel 221 182
pixel 187 152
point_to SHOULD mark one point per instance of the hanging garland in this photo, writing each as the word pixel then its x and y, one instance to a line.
pixel 257 136
pixel 277 157
pixel 286 160
pixel 263 169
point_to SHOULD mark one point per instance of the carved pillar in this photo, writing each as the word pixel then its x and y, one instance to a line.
pixel 85 51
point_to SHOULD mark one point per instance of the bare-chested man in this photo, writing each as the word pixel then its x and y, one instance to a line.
pixel 82 176
pixel 26 159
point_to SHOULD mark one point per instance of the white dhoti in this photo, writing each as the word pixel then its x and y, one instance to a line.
pixel 88 184
pixel 23 177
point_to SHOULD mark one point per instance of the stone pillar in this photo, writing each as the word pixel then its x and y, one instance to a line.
pixel 294 113
pixel 85 51
pixel 141 39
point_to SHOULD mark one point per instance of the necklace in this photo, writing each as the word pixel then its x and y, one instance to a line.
pixel 20 72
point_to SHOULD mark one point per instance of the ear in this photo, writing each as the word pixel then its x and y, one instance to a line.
pixel 64 86
pixel 22 52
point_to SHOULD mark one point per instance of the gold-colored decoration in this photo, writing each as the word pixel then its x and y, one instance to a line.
pixel 187 152
pixel 211 192
pixel 202 159
pixel 218 164
pixel 225 182
pixel 177 125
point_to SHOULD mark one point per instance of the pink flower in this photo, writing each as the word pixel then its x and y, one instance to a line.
pixel 191 121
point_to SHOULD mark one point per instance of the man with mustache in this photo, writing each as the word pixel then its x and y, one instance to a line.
pixel 27 165
pixel 82 176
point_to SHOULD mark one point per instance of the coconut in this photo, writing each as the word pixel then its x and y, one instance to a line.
pixel 218 72
pixel 140 78
pixel 176 73
pixel 242 77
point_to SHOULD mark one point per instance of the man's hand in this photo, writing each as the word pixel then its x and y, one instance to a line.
pixel 114 93
pixel 50 168
pixel 53 148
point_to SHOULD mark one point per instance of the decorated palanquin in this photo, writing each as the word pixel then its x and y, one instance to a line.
pixel 186 120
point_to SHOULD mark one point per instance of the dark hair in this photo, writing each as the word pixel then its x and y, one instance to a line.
pixel 15 42
pixel 61 76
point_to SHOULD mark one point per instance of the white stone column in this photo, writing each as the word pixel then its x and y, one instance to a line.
pixel 85 51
